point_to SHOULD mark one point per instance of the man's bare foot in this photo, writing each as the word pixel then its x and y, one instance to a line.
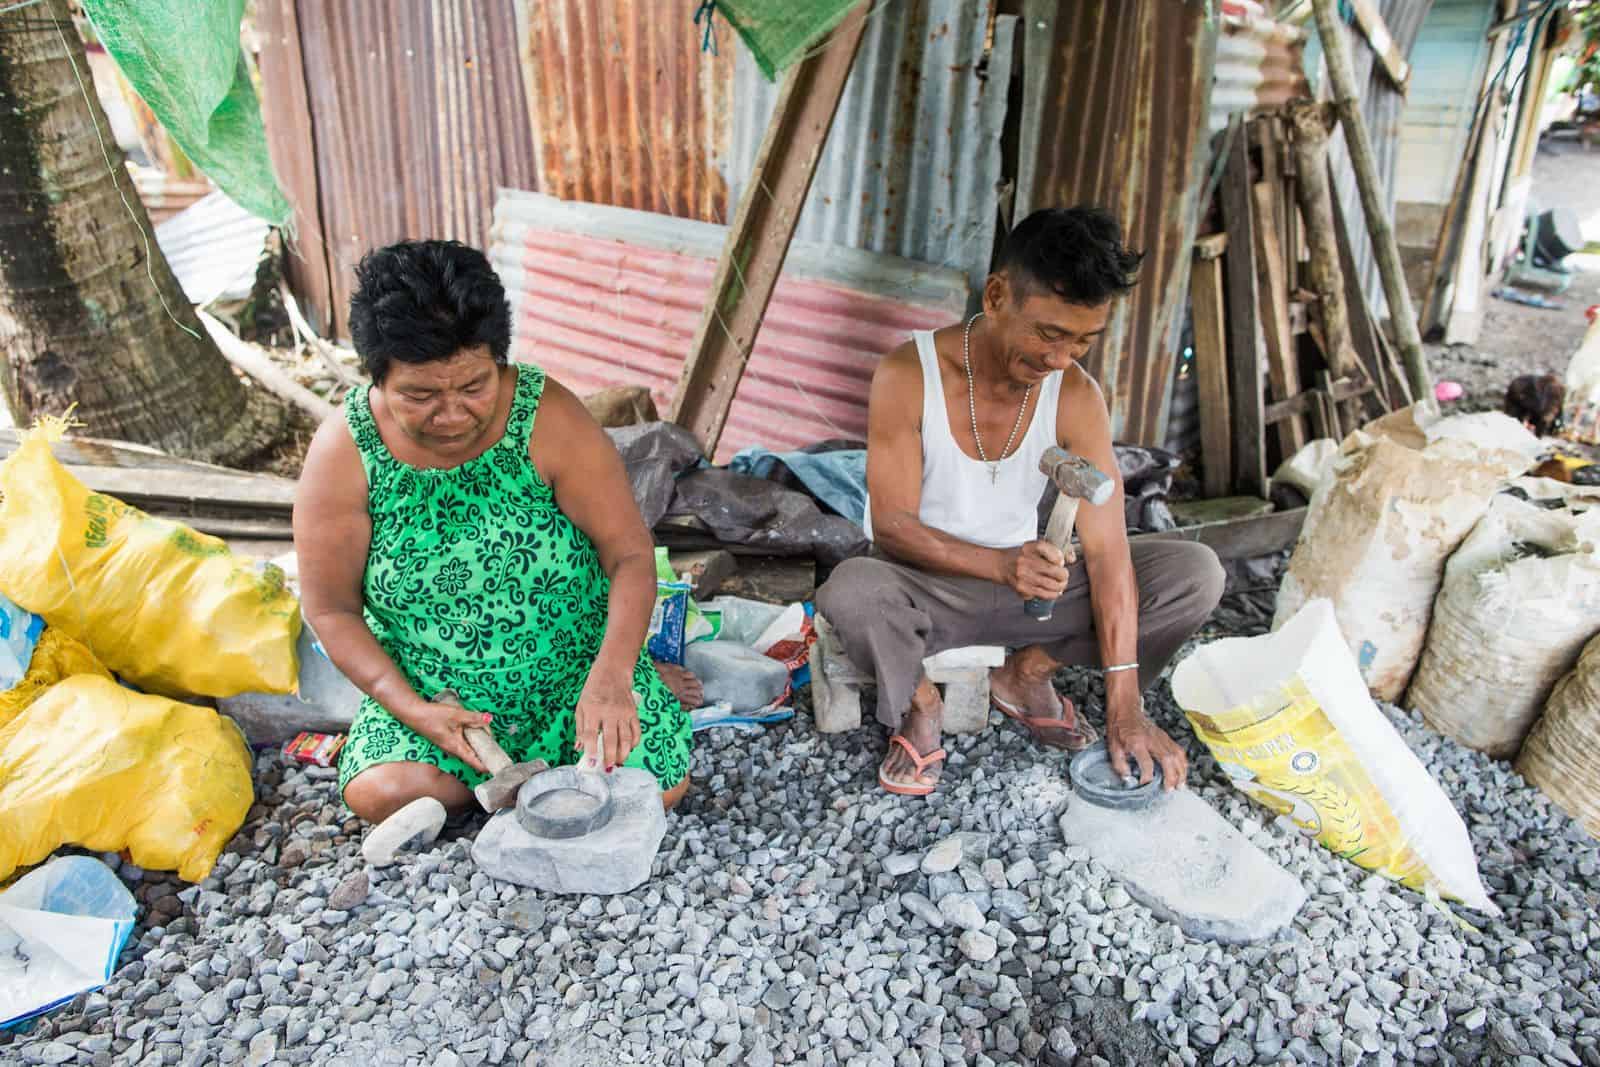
pixel 684 685
pixel 1022 689
pixel 1025 682
pixel 920 726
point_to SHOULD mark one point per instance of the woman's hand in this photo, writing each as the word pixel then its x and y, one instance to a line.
pixel 608 708
pixel 445 722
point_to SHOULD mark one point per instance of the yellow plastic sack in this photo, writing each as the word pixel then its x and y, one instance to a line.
pixel 165 607
pixel 1290 721
pixel 94 764
pixel 55 657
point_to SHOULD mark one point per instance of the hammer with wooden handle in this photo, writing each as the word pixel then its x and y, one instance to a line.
pixel 505 777
pixel 1077 480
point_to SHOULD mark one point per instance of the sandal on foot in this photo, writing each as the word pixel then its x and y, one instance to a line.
pixel 920 762
pixel 1051 733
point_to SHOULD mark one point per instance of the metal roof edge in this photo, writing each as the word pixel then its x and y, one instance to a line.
pixel 907 280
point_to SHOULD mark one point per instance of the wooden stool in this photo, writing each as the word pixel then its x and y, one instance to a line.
pixel 963 673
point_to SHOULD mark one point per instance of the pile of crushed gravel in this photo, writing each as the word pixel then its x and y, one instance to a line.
pixel 791 920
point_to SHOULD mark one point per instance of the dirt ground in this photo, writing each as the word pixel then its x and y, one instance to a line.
pixel 1517 339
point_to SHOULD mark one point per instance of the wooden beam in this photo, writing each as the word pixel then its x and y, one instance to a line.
pixel 1383 43
pixel 1211 373
pixel 1239 538
pixel 1273 291
pixel 762 228
pixel 1306 401
pixel 1244 357
pixel 1392 389
pixel 254 361
pixel 1346 98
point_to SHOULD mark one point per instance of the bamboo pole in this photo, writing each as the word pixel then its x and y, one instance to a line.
pixel 1336 49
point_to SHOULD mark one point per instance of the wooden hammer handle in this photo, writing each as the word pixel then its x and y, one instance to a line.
pixel 482 741
pixel 1058 529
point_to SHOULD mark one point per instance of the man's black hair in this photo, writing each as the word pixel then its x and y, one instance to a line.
pixel 418 301
pixel 1075 252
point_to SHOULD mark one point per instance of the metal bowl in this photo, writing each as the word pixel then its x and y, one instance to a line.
pixel 563 803
pixel 1094 780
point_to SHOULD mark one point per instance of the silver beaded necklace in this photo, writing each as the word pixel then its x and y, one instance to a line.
pixel 972 407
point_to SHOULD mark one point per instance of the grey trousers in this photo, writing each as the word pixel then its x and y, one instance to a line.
pixel 890 616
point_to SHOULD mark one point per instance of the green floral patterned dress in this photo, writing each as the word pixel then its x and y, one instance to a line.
pixel 477 582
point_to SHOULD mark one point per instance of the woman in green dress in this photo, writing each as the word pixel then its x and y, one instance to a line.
pixel 468 526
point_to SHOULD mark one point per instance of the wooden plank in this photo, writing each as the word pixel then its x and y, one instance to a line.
pixel 1283 370
pixel 1211 375
pixel 762 228
pixel 190 492
pixel 1306 402
pixel 1239 538
pixel 1363 330
pixel 1210 246
pixel 1383 43
pixel 1244 356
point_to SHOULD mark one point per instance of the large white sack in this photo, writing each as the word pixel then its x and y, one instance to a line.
pixel 1520 598
pixel 1403 494
pixel 1290 720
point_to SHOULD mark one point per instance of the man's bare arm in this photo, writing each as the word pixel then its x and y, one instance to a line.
pixel 1085 427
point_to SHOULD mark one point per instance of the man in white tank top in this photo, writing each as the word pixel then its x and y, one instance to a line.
pixel 957 421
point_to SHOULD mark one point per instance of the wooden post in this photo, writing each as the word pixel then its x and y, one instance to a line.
pixel 1244 356
pixel 762 228
pixel 1336 49
pixel 1272 280
pixel 1310 123
pixel 1211 364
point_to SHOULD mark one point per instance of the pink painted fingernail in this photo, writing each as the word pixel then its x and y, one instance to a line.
pixel 487 717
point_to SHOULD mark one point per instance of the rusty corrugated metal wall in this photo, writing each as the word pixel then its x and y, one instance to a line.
pixel 389 121
pixel 1118 121
pixel 627 108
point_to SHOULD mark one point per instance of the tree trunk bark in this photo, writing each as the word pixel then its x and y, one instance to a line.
pixel 90 313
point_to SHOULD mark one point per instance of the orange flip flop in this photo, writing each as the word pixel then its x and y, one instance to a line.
pixel 920 762
pixel 1051 733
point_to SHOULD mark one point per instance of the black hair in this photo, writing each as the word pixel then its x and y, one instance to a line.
pixel 1075 252
pixel 419 301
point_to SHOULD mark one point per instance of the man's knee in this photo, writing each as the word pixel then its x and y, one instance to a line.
pixel 857 588
pixel 1202 582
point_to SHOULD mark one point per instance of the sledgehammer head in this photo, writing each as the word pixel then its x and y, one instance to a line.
pixel 1075 476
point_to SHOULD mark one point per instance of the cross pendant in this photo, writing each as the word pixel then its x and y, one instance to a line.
pixel 994 474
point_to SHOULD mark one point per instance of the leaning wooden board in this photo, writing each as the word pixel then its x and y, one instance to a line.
pixel 157 482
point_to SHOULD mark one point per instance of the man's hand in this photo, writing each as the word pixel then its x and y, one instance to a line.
pixel 1036 571
pixel 445 724
pixel 1134 743
pixel 608 706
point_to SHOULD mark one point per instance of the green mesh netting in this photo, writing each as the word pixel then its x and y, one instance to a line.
pixel 183 59
pixel 779 32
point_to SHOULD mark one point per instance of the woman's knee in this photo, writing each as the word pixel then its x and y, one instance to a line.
pixel 384 788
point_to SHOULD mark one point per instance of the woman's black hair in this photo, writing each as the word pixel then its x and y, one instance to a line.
pixel 419 301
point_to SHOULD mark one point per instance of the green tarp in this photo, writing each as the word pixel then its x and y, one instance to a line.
pixel 183 59
pixel 780 32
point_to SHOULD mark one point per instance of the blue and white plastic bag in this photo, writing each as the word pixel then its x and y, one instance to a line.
pixel 19 633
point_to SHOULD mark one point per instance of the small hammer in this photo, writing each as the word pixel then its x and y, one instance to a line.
pixel 1077 480
pixel 500 790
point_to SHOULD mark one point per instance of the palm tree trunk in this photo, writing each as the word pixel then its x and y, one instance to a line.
pixel 90 313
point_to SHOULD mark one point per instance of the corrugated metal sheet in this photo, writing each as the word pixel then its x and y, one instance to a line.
pixel 163 195
pixel 627 109
pixel 611 296
pixel 1259 65
pixel 416 115
pixel 1119 122
pixel 912 164
pixel 1448 67
pixel 1382 105
pixel 214 247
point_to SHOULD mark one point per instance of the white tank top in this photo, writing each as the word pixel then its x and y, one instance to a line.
pixel 958 496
